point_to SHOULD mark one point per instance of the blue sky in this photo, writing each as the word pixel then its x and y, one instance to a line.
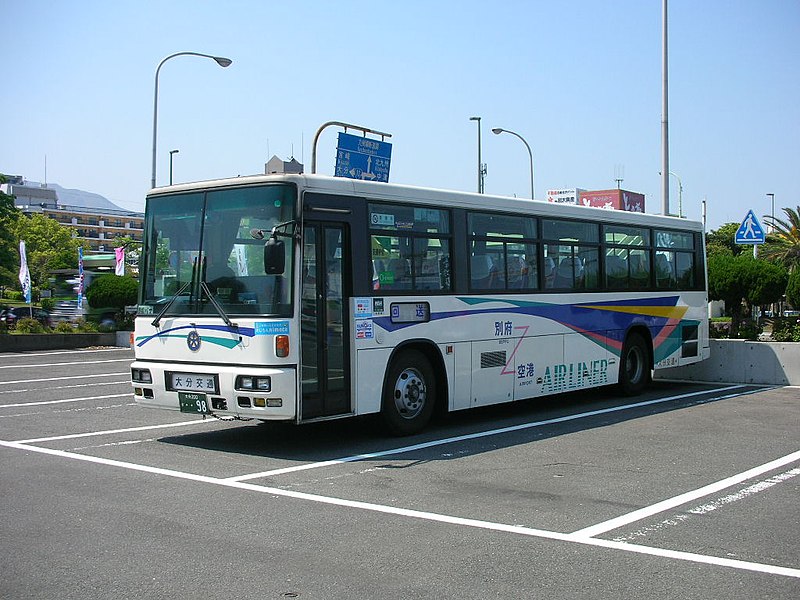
pixel 580 80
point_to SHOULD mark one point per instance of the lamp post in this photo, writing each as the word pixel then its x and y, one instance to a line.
pixel 680 194
pixel 481 166
pixel 171 153
pixel 664 112
pixel 221 61
pixel 772 213
pixel 499 130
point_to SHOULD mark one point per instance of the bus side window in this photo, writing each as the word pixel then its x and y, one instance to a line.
pixel 616 272
pixel 399 274
pixel 665 271
pixel 549 272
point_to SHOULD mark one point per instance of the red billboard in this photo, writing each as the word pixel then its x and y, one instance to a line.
pixel 613 200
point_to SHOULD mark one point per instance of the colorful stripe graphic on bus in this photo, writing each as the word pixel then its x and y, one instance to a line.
pixel 605 323
pixel 218 341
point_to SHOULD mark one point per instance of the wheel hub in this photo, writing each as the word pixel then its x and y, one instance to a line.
pixel 409 393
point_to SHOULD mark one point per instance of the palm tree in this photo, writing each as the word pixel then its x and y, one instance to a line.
pixel 783 244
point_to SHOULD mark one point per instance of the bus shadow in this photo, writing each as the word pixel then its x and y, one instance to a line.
pixel 476 431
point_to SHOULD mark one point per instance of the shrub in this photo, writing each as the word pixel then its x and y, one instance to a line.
pixel 64 327
pixel 3 328
pixel 786 329
pixel 749 330
pixel 83 326
pixel 28 325
pixel 112 291
pixel 47 303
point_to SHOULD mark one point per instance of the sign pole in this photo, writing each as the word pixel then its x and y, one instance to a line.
pixel 346 127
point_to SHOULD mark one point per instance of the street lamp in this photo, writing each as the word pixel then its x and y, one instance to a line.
pixel 481 167
pixel 499 130
pixel 171 152
pixel 221 61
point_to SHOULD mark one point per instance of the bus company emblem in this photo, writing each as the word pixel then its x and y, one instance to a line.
pixel 193 341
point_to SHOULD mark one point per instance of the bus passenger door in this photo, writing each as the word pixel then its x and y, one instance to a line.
pixel 324 320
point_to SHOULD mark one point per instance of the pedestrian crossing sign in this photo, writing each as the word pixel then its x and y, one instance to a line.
pixel 750 231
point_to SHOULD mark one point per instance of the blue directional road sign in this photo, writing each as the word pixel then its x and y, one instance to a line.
pixel 750 231
pixel 362 158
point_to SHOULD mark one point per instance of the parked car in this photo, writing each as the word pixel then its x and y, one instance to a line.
pixel 10 316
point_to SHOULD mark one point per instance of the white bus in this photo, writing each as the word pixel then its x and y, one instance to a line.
pixel 300 298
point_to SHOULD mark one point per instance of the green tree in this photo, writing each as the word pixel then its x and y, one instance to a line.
pixel 49 246
pixel 723 240
pixel 112 291
pixel 793 289
pixel 9 245
pixel 743 282
pixel 783 244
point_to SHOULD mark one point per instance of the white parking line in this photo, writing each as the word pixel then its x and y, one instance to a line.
pixel 64 378
pixel 55 352
pixel 745 493
pixel 69 387
pixel 709 506
pixel 480 434
pixel 649 511
pixel 66 364
pixel 73 436
pixel 18 405
pixel 427 516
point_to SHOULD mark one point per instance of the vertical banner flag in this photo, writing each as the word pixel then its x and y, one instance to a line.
pixel 120 254
pixel 24 273
pixel 80 278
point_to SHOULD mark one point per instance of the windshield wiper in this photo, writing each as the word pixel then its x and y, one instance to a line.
pixel 205 289
pixel 164 310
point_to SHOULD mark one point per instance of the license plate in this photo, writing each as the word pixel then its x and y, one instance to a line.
pixel 192 382
pixel 191 402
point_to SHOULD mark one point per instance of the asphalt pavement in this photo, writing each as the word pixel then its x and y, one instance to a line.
pixel 687 491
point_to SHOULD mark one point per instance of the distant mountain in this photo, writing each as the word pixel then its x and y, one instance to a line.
pixel 70 197
pixel 82 198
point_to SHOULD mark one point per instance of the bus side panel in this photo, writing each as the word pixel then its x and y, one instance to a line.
pixel 533 358
pixel 460 383
pixel 370 372
pixel 492 371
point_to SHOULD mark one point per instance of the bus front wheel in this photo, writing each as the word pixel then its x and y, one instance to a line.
pixel 634 367
pixel 409 393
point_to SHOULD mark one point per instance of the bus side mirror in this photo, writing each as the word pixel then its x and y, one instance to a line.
pixel 274 256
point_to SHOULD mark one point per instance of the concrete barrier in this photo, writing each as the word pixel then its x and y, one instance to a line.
pixel 742 361
pixel 23 342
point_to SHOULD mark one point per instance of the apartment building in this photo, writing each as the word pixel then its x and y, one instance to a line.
pixel 98 227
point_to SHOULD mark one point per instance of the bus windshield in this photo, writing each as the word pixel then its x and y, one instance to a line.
pixel 213 237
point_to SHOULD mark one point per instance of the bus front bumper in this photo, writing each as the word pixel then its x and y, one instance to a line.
pixel 269 394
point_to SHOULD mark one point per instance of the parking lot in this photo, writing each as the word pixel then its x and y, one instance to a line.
pixel 690 490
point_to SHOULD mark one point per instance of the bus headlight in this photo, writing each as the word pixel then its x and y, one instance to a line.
pixel 141 376
pixel 257 384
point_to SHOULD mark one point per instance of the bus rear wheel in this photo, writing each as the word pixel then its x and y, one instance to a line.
pixel 409 393
pixel 634 365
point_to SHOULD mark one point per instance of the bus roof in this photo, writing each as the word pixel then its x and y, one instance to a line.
pixel 392 192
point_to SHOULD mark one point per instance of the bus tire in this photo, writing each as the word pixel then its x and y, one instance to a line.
pixel 634 365
pixel 409 393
